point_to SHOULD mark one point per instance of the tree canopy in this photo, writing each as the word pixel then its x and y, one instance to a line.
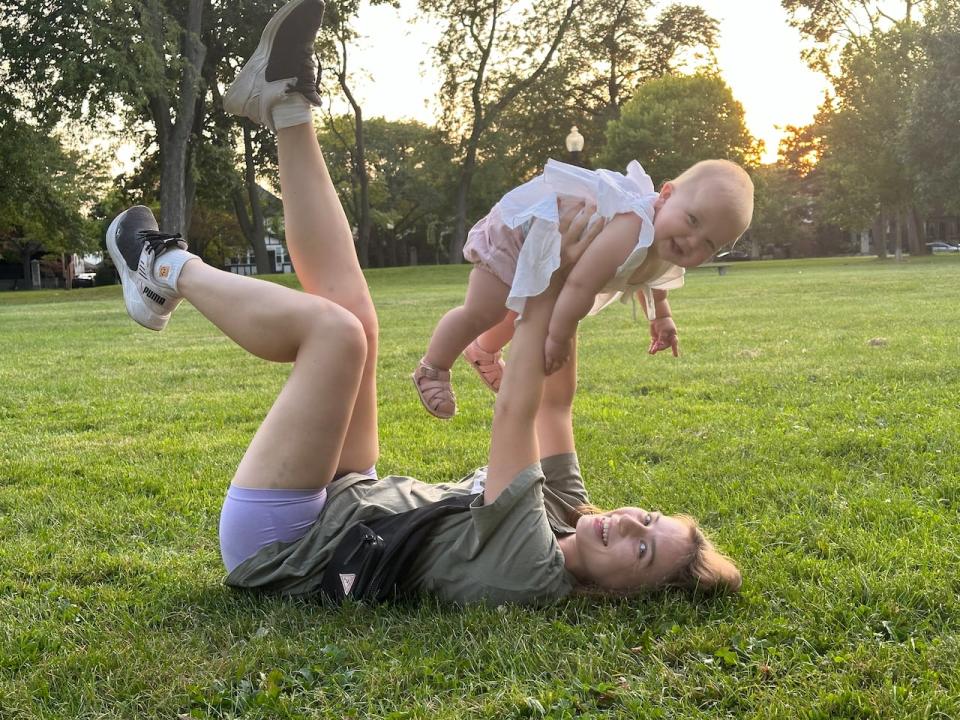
pixel 44 189
pixel 674 121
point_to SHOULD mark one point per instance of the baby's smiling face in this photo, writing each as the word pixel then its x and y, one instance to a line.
pixel 691 223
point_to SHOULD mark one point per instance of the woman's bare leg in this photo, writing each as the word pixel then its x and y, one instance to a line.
pixel 299 443
pixel 482 309
pixel 321 247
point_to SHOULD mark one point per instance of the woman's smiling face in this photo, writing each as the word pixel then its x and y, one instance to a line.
pixel 630 548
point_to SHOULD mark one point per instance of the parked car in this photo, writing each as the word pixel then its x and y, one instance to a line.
pixel 732 255
pixel 84 279
pixel 942 247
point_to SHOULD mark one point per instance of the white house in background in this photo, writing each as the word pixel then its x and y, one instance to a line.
pixel 276 253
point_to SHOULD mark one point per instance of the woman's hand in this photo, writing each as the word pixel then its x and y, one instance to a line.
pixel 576 233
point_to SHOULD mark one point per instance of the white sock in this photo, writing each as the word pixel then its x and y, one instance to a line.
pixel 166 269
pixel 292 110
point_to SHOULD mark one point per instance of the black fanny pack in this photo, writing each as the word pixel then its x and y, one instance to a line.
pixel 371 561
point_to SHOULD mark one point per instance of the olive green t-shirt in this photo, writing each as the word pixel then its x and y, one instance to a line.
pixel 504 552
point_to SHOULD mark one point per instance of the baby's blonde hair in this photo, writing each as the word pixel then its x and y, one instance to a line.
pixel 726 178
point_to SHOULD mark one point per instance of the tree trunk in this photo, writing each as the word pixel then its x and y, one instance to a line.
pixel 375 245
pixel 363 177
pixel 173 137
pixel 25 261
pixel 880 235
pixel 27 248
pixel 252 225
pixel 391 237
pixel 898 237
pixel 486 113
pixel 463 192
pixel 359 161
pixel 914 241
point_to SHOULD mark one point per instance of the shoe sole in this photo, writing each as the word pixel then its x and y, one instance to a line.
pixel 242 86
pixel 128 281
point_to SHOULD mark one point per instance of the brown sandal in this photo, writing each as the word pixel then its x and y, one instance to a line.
pixel 434 391
pixel 489 366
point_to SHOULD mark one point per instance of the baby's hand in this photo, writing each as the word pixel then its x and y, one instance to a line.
pixel 663 335
pixel 555 355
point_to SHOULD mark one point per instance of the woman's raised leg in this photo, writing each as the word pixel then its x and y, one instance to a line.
pixel 276 88
pixel 321 246
pixel 299 444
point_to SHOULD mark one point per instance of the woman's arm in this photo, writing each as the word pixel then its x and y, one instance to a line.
pixel 599 264
pixel 513 443
pixel 555 417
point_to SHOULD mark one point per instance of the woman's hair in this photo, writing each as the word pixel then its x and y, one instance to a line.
pixel 704 569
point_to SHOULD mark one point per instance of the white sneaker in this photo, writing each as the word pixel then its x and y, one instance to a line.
pixel 283 62
pixel 135 243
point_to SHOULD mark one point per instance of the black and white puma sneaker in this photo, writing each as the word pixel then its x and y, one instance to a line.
pixel 137 248
pixel 283 63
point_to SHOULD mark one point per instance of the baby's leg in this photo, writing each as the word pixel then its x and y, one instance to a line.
pixel 484 356
pixel 497 337
pixel 482 309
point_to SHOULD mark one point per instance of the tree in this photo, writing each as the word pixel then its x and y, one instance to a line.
pixel 674 121
pixel 490 52
pixel 42 190
pixel 782 212
pixel 864 174
pixel 413 173
pixel 335 47
pixel 89 59
pixel 410 178
pixel 231 153
pixel 608 52
pixel 615 49
pixel 830 26
pixel 930 137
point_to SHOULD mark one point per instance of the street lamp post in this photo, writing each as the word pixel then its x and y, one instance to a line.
pixel 574 144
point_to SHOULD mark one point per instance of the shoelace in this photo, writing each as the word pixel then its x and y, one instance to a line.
pixel 302 85
pixel 160 242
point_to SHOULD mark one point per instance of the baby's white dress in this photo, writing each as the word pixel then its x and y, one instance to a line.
pixel 534 205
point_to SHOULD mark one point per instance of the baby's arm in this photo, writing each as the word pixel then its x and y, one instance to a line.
pixel 594 270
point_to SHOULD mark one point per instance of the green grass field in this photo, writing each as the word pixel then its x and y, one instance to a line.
pixel 811 425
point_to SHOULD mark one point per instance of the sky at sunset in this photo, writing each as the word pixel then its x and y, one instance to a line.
pixel 759 56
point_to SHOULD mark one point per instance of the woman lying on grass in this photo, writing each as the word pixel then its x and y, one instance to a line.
pixel 308 474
